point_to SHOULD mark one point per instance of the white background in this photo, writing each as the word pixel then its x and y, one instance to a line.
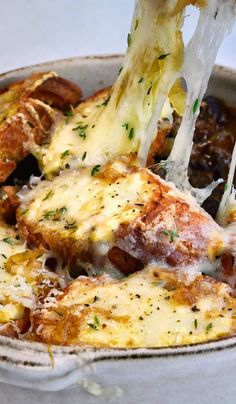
pixel 34 31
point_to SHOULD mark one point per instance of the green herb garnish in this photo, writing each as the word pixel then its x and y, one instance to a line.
pixel 105 102
pixel 81 128
pixel 24 212
pixel 62 210
pixel 95 324
pixel 171 233
pixel 226 186
pixel 69 113
pixel 125 125
pixel 71 226
pixel 131 134
pixel 161 57
pixel 120 70
pixel 195 105
pixel 49 214
pixel 55 214
pixel 195 323
pixel 84 156
pixel 129 39
pixel 8 240
pixel 65 154
pixel 95 170
pixel 48 195
pixel 209 327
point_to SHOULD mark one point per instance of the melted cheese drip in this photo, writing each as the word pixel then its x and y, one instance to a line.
pixel 227 208
pixel 215 22
pixel 125 121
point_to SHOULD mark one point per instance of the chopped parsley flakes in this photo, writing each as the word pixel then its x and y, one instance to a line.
pixel 71 226
pixel 120 70
pixel 149 90
pixel 105 102
pixel 81 128
pixel 161 57
pixel 69 113
pixel 84 156
pixel 131 134
pixel 95 324
pixel 65 154
pixel 171 233
pixel 209 327
pixel 8 240
pixel 226 186
pixel 48 195
pixel 95 170
pixel 195 105
pixel 55 214
pixel 129 39
pixel 125 125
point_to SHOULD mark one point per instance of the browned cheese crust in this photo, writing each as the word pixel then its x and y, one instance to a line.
pixel 103 312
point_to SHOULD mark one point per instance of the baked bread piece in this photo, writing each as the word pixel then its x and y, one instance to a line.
pixel 28 115
pixel 118 217
pixel 152 308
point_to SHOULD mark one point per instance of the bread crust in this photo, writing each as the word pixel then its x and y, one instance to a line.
pixel 30 110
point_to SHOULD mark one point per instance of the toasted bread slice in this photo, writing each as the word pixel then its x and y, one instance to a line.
pixel 9 202
pixel 28 117
pixel 70 146
pixel 120 217
pixel 77 144
pixel 152 308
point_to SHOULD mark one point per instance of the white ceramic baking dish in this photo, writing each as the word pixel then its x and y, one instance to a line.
pixel 203 373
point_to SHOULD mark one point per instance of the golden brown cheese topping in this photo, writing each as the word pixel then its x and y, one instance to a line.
pixel 151 308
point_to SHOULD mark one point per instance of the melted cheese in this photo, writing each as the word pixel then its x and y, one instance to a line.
pixel 20 271
pixel 82 207
pixel 76 148
pixel 9 245
pixel 125 121
pixel 143 310
pixel 215 22
pixel 227 209
pixel 10 286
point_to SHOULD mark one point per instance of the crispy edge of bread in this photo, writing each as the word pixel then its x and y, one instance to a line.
pixel 30 112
